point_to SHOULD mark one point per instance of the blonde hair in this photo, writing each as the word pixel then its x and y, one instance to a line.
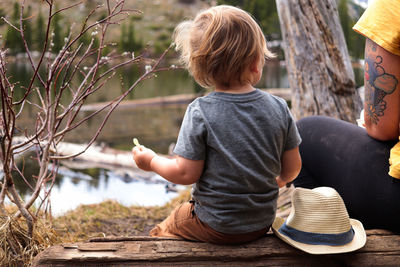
pixel 219 45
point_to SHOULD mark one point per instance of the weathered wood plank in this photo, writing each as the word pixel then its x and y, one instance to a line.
pixel 382 249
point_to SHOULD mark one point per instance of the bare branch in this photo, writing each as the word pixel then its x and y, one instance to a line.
pixel 10 24
pixel 53 118
pixel 21 173
pixel 113 104
pixel 66 8
pixel 28 52
pixel 40 59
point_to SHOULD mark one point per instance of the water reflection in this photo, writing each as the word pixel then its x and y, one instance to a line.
pixel 155 126
pixel 274 75
pixel 89 185
pixel 73 191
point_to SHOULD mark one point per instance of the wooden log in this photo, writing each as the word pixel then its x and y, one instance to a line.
pixel 381 249
pixel 319 69
pixel 172 100
pixel 95 153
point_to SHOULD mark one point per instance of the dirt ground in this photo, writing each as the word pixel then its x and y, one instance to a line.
pixel 129 226
pixel 109 218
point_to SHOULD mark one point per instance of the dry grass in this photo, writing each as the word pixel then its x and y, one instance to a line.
pixel 105 219
pixel 16 248
pixel 108 218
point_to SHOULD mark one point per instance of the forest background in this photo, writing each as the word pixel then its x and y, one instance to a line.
pixel 153 28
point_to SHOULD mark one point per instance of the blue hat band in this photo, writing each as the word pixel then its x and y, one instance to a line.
pixel 317 238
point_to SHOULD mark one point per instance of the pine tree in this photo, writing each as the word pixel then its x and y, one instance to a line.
pixel 128 40
pixel 27 27
pixel 58 36
pixel 13 38
pixel 2 14
pixel 354 41
pixel 40 32
pixel 121 44
pixel 131 43
pixel 85 39
pixel 345 21
pixel 265 13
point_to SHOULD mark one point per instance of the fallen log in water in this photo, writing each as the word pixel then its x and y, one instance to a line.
pixel 109 156
pixel 98 154
pixel 284 93
pixel 95 153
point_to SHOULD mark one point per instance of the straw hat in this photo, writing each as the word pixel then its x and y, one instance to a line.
pixel 318 223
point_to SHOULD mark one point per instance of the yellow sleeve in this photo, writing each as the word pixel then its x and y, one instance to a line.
pixel 394 161
pixel 380 23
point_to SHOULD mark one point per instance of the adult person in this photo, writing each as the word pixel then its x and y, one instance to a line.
pixel 354 160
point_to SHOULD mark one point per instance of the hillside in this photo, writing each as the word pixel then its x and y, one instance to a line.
pixel 153 26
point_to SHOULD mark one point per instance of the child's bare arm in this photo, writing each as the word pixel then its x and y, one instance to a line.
pixel 177 170
pixel 291 166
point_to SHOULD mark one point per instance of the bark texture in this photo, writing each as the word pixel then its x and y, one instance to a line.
pixel 319 68
pixel 381 249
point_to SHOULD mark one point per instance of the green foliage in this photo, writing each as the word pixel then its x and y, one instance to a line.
pixel 164 37
pixel 57 33
pixel 13 38
pixel 27 26
pixel 265 13
pixel 128 41
pixel 40 32
pixel 121 44
pixel 2 14
pixel 355 42
pixel 198 89
pixel 345 20
pixel 86 38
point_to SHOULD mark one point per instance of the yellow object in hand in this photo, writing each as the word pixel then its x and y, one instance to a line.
pixel 136 142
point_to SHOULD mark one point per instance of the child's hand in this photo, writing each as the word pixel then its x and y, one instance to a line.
pixel 143 156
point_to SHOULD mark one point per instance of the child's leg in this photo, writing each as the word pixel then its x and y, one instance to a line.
pixel 183 223
pixel 168 227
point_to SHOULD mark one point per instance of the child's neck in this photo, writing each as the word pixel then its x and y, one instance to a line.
pixel 235 89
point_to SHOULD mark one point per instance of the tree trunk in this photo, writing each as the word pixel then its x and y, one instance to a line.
pixel 319 69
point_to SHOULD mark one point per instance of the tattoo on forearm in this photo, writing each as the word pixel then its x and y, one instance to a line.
pixel 373 47
pixel 378 84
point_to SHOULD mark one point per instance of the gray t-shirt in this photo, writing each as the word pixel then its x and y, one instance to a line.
pixel 242 138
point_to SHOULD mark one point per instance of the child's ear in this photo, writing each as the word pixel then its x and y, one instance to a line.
pixel 256 66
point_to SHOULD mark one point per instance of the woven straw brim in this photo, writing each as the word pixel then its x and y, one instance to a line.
pixel 358 241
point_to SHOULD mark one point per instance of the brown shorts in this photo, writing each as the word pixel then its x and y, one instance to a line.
pixel 183 223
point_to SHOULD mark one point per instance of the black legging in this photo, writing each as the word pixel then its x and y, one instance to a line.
pixel 341 155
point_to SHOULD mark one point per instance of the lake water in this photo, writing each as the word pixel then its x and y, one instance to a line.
pixel 155 126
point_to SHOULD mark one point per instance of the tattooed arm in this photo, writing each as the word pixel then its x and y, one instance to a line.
pixel 382 92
